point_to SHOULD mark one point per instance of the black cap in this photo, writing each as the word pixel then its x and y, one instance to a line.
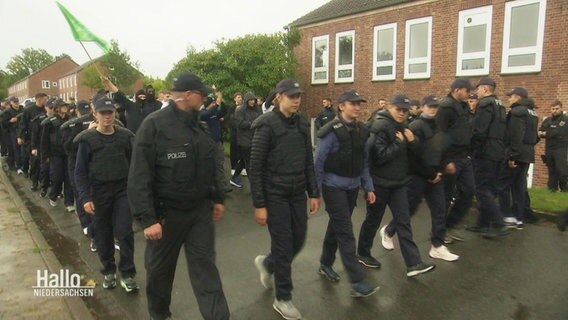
pixel 288 87
pixel 401 101
pixel 461 83
pixel 84 107
pixel 104 104
pixel 188 81
pixel 59 102
pixel 521 92
pixel 351 96
pixel 13 99
pixel 430 101
pixel 486 81
pixel 98 95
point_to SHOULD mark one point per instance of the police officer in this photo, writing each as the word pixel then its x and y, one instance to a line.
pixel 282 171
pixel 454 123
pixel 325 115
pixel 342 165
pixel 10 124
pixel 101 173
pixel 52 151
pixel 521 137
pixel 555 130
pixel 38 123
pixel 172 184
pixel 487 143
pixel 388 161
pixel 28 121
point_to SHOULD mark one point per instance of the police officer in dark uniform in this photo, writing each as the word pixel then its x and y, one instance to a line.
pixel 25 131
pixel 342 165
pixel 172 185
pixel 101 174
pixel 453 120
pixel 488 142
pixel 282 171
pixel 325 115
pixel 521 137
pixel 10 124
pixel 41 176
pixel 555 130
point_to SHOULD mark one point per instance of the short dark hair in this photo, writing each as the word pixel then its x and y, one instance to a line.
pixel 237 94
pixel 40 95
pixel 383 99
pixel 556 103
pixel 328 99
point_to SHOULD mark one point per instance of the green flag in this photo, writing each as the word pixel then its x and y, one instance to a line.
pixel 80 32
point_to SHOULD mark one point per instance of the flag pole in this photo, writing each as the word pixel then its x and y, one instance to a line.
pixel 88 55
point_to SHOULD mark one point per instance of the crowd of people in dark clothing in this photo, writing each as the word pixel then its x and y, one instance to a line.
pixel 156 159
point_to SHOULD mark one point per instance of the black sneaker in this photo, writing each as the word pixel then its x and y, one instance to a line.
pixel 419 269
pixel 476 228
pixel 93 246
pixel 43 193
pixel 329 273
pixel 110 281
pixel 369 262
pixel 129 284
pixel 34 188
pixel 363 289
pixel 492 233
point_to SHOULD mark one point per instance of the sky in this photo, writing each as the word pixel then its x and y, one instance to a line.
pixel 156 34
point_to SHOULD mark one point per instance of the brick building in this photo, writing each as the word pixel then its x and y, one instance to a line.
pixel 43 80
pixel 381 47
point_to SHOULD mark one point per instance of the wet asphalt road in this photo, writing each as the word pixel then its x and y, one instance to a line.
pixel 521 276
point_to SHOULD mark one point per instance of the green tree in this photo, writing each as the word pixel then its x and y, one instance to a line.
pixel 28 62
pixel 157 83
pixel 91 77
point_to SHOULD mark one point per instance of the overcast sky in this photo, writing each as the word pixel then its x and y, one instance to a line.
pixel 154 33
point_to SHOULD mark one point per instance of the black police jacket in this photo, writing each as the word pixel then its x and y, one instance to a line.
pixel 489 125
pixel 556 129
pixel 522 135
pixel 453 121
pixel 36 128
pixel 243 119
pixel 70 129
pixel 7 115
pixel 173 165
pixel 426 158
pixel 324 116
pixel 25 126
pixel 281 161
pixel 51 141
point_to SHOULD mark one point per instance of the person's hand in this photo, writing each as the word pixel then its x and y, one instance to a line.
pixel 399 136
pixel 409 135
pixel 153 232
pixel 542 134
pixel 34 152
pixel 450 168
pixel 93 124
pixel 512 164
pixel 20 141
pixel 108 84
pixel 89 207
pixel 437 179
pixel 260 216
pixel 13 120
pixel 371 197
pixel 218 210
pixel 314 205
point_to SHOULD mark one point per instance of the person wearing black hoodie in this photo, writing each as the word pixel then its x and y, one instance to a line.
pixel 151 97
pixel 10 124
pixel 135 111
pixel 243 119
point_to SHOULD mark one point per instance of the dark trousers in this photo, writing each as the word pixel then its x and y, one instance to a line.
pixel 25 154
pixel 85 219
pixel 459 189
pixel 397 200
pixel 287 223
pixel 557 163
pixel 44 178
pixel 234 148
pixel 14 149
pixel 194 229
pixel 58 173
pixel 243 162
pixel 339 205
pixel 486 171
pixel 418 188
pixel 112 219
pixel 34 170
pixel 4 137
pixel 512 185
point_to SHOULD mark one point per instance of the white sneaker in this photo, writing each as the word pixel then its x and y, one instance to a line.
pixel 265 276
pixel 286 309
pixel 232 172
pixel 85 231
pixel 511 220
pixel 52 203
pixel 385 239
pixel 244 173
pixel 442 253
pixel 20 172
pixel 70 208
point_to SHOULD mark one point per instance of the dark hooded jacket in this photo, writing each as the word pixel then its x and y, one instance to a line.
pixel 522 134
pixel 135 111
pixel 243 119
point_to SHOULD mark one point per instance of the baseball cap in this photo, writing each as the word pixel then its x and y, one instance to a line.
pixel 84 107
pixel 461 83
pixel 522 92
pixel 13 99
pixel 104 104
pixel 188 81
pixel 288 87
pixel 430 101
pixel 401 101
pixel 100 94
pixel 59 102
pixel 351 96
pixel 486 81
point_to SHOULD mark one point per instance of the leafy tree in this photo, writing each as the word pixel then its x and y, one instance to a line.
pixel 157 83
pixel 91 77
pixel 28 62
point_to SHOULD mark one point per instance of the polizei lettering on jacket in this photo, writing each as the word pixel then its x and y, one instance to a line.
pixel 177 155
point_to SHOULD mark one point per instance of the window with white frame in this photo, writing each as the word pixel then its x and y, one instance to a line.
pixel 384 52
pixel 523 35
pixel 320 59
pixel 345 56
pixel 418 48
pixel 45 84
pixel 474 41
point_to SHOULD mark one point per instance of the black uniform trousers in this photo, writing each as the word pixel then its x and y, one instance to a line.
pixel 486 171
pixel 112 219
pixel 14 150
pixel 4 136
pixel 339 205
pixel 244 161
pixel 34 170
pixel 59 175
pixel 397 200
pixel 84 219
pixel 25 154
pixel 287 224
pixel 194 229
pixel 234 148
pixel 512 185
pixel 557 163
pixel 459 189
pixel 44 178
pixel 418 188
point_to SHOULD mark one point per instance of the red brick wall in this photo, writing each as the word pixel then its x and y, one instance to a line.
pixel 545 86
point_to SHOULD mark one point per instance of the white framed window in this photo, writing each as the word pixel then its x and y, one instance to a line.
pixel 345 56
pixel 75 80
pixel 474 41
pixel 320 59
pixel 45 84
pixel 418 48
pixel 384 52
pixel 523 35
